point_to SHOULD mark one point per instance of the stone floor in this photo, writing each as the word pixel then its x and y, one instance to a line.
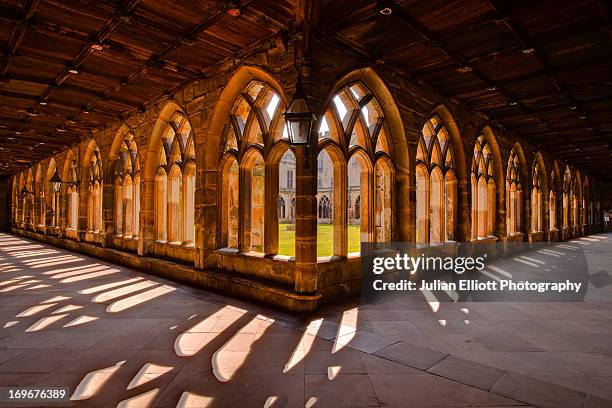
pixel 565 343
pixel 117 337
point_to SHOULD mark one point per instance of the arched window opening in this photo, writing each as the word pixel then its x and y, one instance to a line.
pixel 229 194
pixel 358 197
pixel 253 127
pixel 255 219
pixel 567 193
pixel 175 205
pixel 94 196
pixel 73 196
pixel 354 124
pixel 53 204
pixel 328 227
pixel 383 203
pixel 127 189
pixel 161 205
pixel 585 202
pixel 536 200
pixel 175 183
pixel 552 201
pixel 435 184
pixel 286 196
pixel 514 193
pixel 483 190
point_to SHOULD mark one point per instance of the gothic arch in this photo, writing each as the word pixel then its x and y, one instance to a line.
pixel 209 153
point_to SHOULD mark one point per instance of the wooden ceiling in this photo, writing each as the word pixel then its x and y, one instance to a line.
pixel 540 68
pixel 70 66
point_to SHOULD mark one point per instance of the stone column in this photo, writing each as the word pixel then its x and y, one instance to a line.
pixel 306 220
pixel 207 232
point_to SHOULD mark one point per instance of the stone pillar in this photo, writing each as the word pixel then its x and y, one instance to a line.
pixel 403 190
pixel 463 233
pixel 306 220
pixel 502 231
pixel 206 226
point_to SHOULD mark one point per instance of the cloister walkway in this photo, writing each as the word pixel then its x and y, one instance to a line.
pixel 117 337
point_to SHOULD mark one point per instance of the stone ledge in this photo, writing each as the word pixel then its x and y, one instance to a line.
pixel 239 286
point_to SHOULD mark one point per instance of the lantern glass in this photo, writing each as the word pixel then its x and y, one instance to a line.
pixel 299 118
pixel 56 182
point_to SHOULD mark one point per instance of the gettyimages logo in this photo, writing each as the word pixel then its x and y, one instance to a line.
pixel 458 264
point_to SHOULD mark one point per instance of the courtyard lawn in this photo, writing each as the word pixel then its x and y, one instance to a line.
pixel 286 239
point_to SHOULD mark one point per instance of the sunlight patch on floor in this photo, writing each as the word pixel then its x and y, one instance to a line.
pixel 94 381
pixel 101 288
pixel 228 359
pixel 346 329
pixel 147 373
pixel 191 400
pixel 116 293
pixel 81 320
pixel 143 400
pixel 138 299
pixel 45 322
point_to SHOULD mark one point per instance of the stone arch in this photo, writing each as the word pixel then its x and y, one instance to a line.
pixel 499 177
pixel 149 167
pixel 89 150
pixel 387 104
pixel 539 198
pixel 458 216
pixel 209 153
pixel 451 126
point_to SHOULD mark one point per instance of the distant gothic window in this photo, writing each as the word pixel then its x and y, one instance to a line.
pixel 325 208
pixel 281 207
pixel 536 200
pixel 435 184
pixel 127 188
pixel 175 183
pixel 483 190
pixel 289 178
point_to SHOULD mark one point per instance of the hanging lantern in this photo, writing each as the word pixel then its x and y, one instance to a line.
pixel 56 182
pixel 299 118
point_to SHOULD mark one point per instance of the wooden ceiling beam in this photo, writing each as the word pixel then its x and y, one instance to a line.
pixel 527 44
pixel 18 33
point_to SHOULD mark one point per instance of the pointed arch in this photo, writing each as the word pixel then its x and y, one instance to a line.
pixel 223 107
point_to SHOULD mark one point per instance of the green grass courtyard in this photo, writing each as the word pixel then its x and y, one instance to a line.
pixel 325 232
